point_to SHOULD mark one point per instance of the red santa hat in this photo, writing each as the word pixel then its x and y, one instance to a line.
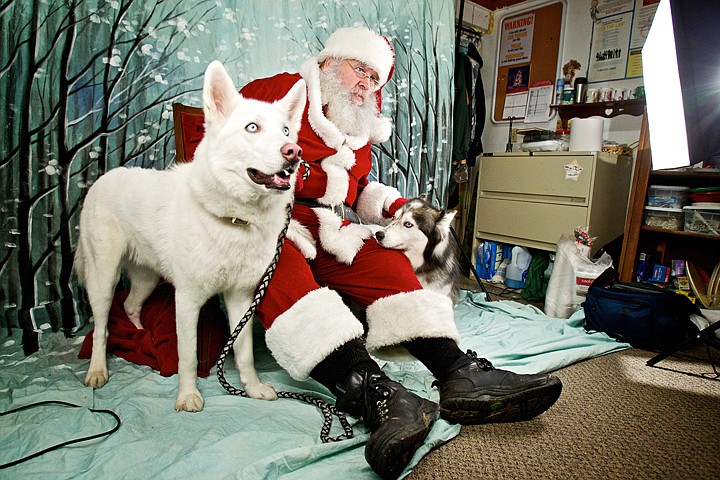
pixel 363 45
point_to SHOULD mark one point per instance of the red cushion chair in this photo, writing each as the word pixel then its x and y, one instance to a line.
pixel 156 344
pixel 189 124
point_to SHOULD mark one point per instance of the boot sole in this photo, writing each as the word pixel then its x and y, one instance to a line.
pixel 397 451
pixel 514 407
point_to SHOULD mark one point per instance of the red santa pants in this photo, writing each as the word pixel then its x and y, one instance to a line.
pixel 306 318
pixel 376 272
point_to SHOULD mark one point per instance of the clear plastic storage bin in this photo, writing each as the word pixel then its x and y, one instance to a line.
pixel 661 217
pixel 702 219
pixel 667 196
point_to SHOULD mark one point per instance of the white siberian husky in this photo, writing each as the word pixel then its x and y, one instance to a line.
pixel 208 227
pixel 422 232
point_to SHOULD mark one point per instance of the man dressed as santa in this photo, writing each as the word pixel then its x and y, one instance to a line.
pixel 330 252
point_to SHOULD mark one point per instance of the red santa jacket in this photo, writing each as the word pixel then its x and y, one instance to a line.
pixel 339 168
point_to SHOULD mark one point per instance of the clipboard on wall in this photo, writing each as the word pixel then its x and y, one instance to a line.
pixel 529 49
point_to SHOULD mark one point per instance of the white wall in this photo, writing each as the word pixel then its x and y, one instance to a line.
pixel 624 129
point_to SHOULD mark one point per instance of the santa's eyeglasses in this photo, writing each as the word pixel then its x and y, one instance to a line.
pixel 361 73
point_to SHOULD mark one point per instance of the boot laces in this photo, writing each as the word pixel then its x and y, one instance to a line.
pixel 483 363
pixel 375 406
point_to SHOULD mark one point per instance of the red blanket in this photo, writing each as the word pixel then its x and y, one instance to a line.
pixel 156 344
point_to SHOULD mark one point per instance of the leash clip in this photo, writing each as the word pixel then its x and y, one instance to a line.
pixel 339 210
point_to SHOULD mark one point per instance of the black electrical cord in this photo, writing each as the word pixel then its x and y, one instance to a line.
pixel 69 442
pixel 467 259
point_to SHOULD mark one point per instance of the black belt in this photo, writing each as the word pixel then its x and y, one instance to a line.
pixel 342 210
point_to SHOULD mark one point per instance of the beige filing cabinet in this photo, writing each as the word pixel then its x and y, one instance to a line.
pixel 531 199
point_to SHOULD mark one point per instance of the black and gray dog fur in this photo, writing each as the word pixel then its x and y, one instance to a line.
pixel 423 233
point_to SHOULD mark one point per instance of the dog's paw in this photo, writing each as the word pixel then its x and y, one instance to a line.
pixel 261 391
pixel 136 321
pixel 190 402
pixel 96 378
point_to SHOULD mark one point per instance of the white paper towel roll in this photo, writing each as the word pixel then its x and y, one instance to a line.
pixel 586 134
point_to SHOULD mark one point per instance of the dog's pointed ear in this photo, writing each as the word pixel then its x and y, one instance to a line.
pixel 219 95
pixel 445 220
pixel 294 103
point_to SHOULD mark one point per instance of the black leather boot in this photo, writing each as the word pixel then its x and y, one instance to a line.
pixel 398 420
pixel 472 391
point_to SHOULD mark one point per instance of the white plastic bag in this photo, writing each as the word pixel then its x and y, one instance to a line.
pixel 572 274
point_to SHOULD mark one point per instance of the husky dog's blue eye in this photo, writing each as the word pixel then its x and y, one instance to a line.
pixel 408 225
pixel 252 127
pixel 286 131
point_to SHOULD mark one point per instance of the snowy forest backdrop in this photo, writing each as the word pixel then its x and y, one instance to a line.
pixel 88 85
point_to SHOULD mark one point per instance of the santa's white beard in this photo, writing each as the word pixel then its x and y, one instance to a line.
pixel 350 118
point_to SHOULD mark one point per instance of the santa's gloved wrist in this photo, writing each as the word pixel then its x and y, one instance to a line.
pixel 394 207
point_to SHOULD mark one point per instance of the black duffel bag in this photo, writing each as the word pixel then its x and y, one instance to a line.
pixel 645 316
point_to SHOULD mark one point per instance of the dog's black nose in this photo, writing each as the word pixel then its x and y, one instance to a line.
pixel 379 235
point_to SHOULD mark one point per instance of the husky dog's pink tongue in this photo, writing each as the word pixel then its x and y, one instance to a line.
pixel 279 180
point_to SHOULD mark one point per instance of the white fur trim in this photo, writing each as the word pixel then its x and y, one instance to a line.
pixel 302 238
pixel 406 316
pixel 343 242
pixel 392 195
pixel 336 167
pixel 364 45
pixel 334 138
pixel 344 158
pixel 311 330
pixel 337 185
pixel 374 199
pixel 382 130
pixel 355 143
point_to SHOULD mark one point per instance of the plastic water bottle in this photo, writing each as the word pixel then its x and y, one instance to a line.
pixel 487 259
pixel 548 273
pixel 461 174
pixel 518 268
pixel 559 85
pixel 499 276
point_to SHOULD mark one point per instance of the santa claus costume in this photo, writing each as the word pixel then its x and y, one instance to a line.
pixel 327 257
pixel 329 252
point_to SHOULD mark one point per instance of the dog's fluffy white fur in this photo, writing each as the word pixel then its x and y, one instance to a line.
pixel 422 232
pixel 176 224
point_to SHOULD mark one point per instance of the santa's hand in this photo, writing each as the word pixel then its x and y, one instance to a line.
pixel 394 207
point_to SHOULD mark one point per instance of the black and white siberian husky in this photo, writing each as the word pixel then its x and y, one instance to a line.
pixel 422 232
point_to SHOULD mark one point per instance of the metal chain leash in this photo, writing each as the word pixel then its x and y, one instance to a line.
pixel 327 410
